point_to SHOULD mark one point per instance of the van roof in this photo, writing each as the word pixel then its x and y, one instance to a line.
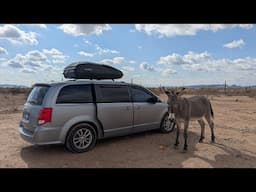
pixel 83 81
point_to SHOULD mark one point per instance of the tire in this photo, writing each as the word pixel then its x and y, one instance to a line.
pixel 167 126
pixel 81 138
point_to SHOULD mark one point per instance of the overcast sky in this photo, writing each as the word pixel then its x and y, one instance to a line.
pixel 150 54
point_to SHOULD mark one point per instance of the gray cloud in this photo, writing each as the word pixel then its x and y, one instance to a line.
pixel 27 71
pixel 204 62
pixel 84 29
pixel 14 35
pixel 170 30
pixel 3 51
pixel 56 55
pixel 168 72
pixel 147 67
pixel 189 58
pixel 235 44
pixel 36 60
pixel 15 64
pixel 101 50
pixel 86 54
pixel 115 60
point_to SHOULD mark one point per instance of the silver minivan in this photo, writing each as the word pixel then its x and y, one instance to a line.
pixel 78 113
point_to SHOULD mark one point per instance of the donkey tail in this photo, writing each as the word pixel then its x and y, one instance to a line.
pixel 211 110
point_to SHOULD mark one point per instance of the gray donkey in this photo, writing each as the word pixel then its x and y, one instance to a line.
pixel 186 109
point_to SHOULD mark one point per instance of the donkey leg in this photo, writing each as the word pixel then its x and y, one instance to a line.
pixel 186 124
pixel 202 124
pixel 177 134
pixel 212 132
pixel 211 124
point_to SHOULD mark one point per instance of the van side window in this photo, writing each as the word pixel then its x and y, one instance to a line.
pixel 140 95
pixel 75 94
pixel 112 93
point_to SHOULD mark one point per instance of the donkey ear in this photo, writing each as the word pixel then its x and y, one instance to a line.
pixel 181 91
pixel 163 90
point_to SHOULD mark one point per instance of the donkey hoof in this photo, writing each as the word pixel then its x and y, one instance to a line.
pixel 201 140
pixel 213 141
pixel 176 146
pixel 185 150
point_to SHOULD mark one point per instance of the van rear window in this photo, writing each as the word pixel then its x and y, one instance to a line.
pixel 37 94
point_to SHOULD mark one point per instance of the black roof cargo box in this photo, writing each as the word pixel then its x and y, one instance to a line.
pixel 88 70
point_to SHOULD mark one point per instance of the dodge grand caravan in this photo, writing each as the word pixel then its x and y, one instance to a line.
pixel 78 113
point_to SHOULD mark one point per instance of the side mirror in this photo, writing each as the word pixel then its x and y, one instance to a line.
pixel 152 100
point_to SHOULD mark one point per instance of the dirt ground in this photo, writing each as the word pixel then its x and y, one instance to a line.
pixel 235 147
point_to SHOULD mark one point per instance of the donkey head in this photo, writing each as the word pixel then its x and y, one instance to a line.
pixel 172 101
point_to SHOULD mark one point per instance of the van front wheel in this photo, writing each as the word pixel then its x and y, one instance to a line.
pixel 81 138
pixel 167 125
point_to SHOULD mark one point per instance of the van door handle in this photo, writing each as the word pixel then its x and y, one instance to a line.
pixel 137 107
pixel 128 108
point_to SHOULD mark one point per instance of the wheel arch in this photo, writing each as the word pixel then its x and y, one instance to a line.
pixel 79 120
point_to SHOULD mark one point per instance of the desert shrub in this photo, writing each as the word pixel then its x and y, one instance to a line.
pixel 14 91
pixel 247 91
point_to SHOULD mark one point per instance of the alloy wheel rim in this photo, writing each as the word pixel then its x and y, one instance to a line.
pixel 167 124
pixel 82 138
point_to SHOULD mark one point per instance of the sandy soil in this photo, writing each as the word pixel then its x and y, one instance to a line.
pixel 235 130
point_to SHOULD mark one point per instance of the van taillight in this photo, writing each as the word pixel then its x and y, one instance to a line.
pixel 45 115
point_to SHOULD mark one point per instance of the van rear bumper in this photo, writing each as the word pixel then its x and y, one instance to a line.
pixel 41 135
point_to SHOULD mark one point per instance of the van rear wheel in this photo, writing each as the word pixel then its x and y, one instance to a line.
pixel 81 138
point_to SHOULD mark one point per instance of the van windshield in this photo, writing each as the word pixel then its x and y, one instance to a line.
pixel 37 94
